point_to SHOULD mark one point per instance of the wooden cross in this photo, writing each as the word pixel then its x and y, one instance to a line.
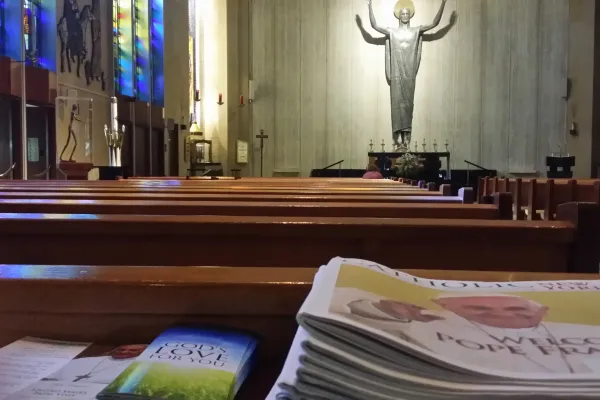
pixel 262 138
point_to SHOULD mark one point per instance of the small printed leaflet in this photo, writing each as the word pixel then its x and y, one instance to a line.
pixel 30 359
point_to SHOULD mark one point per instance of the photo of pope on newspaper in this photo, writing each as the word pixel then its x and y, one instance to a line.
pixel 492 330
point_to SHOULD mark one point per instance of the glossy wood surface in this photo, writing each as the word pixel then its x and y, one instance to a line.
pixel 50 193
pixel 121 305
pixel 155 207
pixel 224 190
pixel 275 241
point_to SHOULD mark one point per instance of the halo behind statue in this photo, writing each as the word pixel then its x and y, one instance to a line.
pixel 401 4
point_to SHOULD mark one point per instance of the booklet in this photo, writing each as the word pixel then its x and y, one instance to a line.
pixel 84 377
pixel 369 332
pixel 187 363
pixel 30 359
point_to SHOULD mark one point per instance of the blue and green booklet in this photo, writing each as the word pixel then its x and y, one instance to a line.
pixel 187 363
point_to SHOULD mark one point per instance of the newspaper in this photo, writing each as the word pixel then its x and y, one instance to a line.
pixel 367 331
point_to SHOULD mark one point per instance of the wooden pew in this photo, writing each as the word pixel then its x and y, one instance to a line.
pixel 273 180
pixel 501 210
pixel 344 194
pixel 564 246
pixel 221 190
pixel 111 306
pixel 535 197
pixel 49 193
pixel 241 184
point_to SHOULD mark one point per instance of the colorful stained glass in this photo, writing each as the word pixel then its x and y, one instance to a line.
pixel 157 35
pixel 124 47
pixel 142 50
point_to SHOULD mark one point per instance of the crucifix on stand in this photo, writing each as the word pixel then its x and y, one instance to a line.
pixel 262 138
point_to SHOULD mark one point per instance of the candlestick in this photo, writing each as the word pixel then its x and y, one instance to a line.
pixel 242 101
pixel 435 147
pixel 383 146
pixel 197 95
pixel 371 146
pixel 416 147
pixel 220 102
pixel 446 145
pixel 109 142
pixel 424 146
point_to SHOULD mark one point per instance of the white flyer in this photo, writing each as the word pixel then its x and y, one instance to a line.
pixel 30 359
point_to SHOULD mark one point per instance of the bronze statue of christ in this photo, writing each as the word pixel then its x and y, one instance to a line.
pixel 402 59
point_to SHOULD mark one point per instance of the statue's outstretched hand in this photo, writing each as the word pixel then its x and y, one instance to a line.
pixel 453 17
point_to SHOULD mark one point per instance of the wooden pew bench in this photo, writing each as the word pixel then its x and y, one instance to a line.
pixel 500 210
pixel 339 185
pixel 219 190
pixel 85 239
pixel 113 306
pixel 82 194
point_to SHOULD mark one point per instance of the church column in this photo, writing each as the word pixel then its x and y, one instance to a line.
pixel 583 70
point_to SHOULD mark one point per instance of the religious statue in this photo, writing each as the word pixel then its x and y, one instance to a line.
pixel 71 134
pixel 402 59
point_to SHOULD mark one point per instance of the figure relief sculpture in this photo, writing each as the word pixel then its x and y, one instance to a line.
pixel 74 35
pixel 402 58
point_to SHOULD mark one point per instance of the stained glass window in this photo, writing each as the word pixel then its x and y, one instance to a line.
pixel 2 29
pixel 32 31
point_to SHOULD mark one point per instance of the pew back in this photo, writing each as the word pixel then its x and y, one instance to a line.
pixel 126 305
pixel 84 239
pixel 258 208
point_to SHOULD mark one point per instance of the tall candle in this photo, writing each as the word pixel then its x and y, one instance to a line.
pixel 241 100
pixel 220 97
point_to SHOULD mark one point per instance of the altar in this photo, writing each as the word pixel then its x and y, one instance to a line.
pixel 432 163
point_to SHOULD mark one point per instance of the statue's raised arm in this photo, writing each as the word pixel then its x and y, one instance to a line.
pixel 374 22
pixel 436 20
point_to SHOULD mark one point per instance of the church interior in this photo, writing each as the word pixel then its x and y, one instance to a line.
pixel 168 162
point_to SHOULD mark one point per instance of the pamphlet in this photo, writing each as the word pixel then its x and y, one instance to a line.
pixel 84 377
pixel 30 359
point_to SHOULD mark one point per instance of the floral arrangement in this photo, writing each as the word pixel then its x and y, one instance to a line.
pixel 409 166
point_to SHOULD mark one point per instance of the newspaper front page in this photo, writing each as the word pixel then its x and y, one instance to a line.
pixel 511 330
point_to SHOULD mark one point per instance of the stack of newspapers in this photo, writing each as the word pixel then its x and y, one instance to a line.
pixel 369 332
